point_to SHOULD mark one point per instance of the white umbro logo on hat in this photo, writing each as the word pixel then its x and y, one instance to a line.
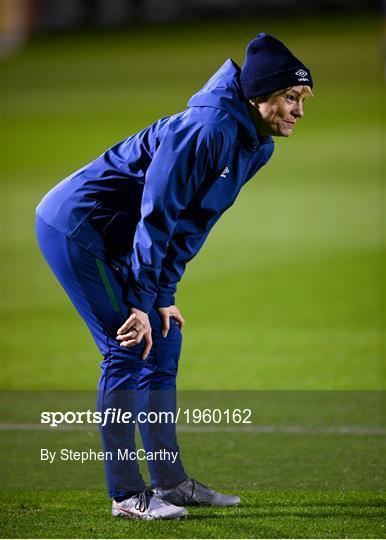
pixel 301 73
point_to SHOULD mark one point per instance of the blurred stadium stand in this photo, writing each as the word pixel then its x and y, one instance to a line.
pixel 21 18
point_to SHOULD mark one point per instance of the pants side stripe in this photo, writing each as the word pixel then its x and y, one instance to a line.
pixel 107 285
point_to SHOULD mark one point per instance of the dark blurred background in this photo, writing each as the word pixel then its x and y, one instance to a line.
pixel 23 18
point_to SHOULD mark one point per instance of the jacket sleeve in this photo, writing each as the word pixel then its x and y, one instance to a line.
pixel 188 240
pixel 186 155
pixel 192 232
pixel 182 249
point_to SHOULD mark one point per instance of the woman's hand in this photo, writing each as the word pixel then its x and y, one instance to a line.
pixel 134 329
pixel 166 313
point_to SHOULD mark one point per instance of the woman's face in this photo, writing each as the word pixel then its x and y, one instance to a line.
pixel 278 113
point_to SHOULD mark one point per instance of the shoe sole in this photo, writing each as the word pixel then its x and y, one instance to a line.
pixel 129 515
pixel 194 503
pixel 211 505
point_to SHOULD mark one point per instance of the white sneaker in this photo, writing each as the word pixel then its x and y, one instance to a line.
pixel 147 506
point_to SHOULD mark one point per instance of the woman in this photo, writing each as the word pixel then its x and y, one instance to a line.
pixel 119 232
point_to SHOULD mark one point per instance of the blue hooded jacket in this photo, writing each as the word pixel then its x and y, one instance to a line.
pixel 149 202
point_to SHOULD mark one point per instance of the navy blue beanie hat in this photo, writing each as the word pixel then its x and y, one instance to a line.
pixel 270 66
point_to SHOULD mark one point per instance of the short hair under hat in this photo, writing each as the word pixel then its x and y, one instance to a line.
pixel 270 66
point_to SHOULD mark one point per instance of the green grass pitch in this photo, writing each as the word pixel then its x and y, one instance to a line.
pixel 285 295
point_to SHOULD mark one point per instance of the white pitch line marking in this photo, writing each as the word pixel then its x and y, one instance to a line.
pixel 307 430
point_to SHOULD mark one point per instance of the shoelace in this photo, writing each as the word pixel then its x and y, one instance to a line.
pixel 143 499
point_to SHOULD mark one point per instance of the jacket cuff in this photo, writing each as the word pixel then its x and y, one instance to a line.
pixel 164 299
pixel 139 299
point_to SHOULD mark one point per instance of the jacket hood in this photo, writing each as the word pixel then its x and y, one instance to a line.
pixel 223 91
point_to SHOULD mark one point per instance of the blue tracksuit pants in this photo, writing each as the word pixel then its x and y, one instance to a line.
pixel 97 291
